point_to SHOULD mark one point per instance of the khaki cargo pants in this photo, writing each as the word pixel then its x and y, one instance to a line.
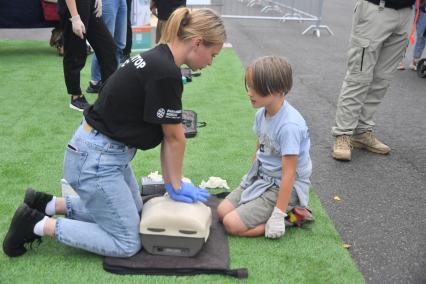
pixel 377 44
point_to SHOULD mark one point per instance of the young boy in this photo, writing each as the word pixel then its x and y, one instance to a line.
pixel 278 180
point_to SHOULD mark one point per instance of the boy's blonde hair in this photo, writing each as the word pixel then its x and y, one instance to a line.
pixel 270 75
pixel 185 24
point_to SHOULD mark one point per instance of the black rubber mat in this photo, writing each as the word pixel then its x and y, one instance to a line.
pixel 212 259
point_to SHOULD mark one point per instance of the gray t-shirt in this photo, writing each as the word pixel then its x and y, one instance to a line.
pixel 285 133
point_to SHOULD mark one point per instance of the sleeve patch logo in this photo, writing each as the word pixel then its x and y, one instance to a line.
pixel 174 114
pixel 161 112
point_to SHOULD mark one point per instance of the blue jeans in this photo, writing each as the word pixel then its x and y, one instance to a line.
pixel 114 15
pixel 421 38
pixel 104 218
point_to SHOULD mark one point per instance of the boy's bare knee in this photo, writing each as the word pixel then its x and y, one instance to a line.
pixel 221 211
pixel 224 208
pixel 233 224
pixel 228 225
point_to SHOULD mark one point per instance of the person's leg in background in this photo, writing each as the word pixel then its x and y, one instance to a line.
pixel 108 16
pixel 114 17
pixel 354 88
pixel 367 38
pixel 401 66
pixel 74 52
pixel 104 46
pixel 120 34
pixel 420 40
pixel 392 51
pixel 128 48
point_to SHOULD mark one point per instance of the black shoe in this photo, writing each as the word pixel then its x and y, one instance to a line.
pixel 37 200
pixel 94 88
pixel 79 103
pixel 21 231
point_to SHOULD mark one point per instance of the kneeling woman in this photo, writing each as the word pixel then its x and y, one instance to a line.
pixel 139 107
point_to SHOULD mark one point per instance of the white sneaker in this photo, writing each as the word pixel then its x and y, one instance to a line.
pixel 413 65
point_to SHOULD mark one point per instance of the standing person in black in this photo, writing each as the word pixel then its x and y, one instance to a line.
pixel 163 9
pixel 139 107
pixel 82 20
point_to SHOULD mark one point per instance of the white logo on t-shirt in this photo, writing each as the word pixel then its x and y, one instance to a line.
pixel 173 114
pixel 161 112
pixel 138 62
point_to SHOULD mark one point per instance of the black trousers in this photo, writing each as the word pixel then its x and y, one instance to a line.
pixel 75 49
pixel 128 48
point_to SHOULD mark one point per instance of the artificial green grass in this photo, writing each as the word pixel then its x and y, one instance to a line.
pixel 36 123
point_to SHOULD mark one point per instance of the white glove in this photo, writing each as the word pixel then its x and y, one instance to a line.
pixel 275 227
pixel 98 8
pixel 78 27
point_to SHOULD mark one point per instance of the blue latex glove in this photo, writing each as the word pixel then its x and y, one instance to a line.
pixel 201 194
pixel 176 194
pixel 187 192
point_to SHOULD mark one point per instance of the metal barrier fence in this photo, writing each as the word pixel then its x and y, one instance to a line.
pixel 282 10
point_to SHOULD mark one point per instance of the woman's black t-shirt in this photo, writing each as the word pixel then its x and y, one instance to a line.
pixel 140 96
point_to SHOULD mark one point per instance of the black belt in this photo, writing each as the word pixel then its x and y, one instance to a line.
pixel 392 5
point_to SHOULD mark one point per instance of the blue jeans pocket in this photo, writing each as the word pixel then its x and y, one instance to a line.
pixel 73 164
pixel 116 148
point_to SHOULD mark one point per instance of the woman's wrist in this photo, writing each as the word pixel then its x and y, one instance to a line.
pixel 75 18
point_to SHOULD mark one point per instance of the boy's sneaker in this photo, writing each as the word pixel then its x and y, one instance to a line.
pixel 21 231
pixel 79 103
pixel 94 88
pixel 342 148
pixel 369 141
pixel 37 200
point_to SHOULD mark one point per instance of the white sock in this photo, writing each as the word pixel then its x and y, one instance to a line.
pixel 39 227
pixel 51 207
pixel 94 82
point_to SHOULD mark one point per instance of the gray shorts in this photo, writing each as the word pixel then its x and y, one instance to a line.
pixel 258 211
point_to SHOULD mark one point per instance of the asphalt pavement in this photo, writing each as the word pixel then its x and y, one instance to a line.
pixel 382 212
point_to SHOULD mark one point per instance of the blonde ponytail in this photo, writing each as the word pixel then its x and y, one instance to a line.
pixel 185 24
